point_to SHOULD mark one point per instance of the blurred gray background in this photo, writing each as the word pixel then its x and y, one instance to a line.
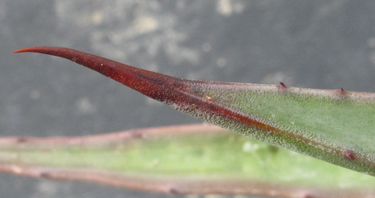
pixel 318 44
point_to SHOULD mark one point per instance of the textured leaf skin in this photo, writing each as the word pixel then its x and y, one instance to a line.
pixel 182 159
pixel 333 125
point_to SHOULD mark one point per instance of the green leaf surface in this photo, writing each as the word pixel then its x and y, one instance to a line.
pixel 336 126
pixel 333 125
pixel 182 159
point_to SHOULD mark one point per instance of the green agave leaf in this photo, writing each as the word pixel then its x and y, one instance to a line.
pixel 182 159
pixel 333 125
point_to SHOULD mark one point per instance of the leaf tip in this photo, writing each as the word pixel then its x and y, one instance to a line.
pixel 29 49
pixel 20 51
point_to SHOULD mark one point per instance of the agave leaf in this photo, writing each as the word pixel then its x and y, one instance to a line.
pixel 182 159
pixel 333 125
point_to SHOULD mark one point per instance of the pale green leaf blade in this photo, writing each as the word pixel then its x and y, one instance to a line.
pixel 182 159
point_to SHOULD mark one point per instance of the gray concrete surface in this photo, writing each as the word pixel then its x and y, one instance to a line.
pixel 317 44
